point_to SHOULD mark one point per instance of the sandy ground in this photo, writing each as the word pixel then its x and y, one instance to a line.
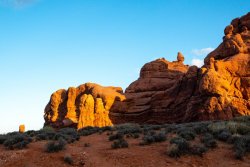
pixel 100 154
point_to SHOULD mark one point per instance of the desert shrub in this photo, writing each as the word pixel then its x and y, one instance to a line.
pixel 170 128
pixel 106 128
pixel 152 138
pixel 68 134
pixel 224 135
pixel 89 130
pixel 198 150
pixel 173 151
pixel 48 129
pixel 147 139
pixel 181 143
pixel 55 146
pixel 150 128
pixel 180 146
pixel 68 159
pixel 31 133
pixel 241 146
pixel 133 135
pixel 2 138
pixel 233 138
pixel 186 133
pixel 45 135
pixel 156 127
pixel 151 132
pixel 232 126
pixel 17 140
pixel 208 140
pixel 160 137
pixel 242 119
pixel 128 128
pixel 120 143
pixel 201 128
pixel 116 136
pixel 243 129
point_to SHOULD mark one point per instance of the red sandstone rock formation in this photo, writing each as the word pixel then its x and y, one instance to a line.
pixel 21 128
pixel 167 92
pixel 86 105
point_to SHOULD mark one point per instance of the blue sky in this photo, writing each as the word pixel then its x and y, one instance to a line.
pixel 46 45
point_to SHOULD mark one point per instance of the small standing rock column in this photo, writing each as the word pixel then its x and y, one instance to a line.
pixel 21 128
pixel 180 57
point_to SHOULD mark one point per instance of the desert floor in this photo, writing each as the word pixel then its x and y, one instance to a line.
pixel 100 154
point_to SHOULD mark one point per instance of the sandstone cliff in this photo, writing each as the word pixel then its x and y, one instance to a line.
pixel 167 92
pixel 86 105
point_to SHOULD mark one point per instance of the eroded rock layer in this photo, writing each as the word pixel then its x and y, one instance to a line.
pixel 167 92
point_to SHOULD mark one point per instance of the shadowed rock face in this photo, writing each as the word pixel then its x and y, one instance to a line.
pixel 167 92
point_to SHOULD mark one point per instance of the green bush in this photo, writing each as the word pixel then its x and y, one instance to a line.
pixel 173 151
pixel 116 136
pixel 242 119
pixel 186 133
pixel 156 127
pixel 45 134
pixel 160 137
pixel 128 128
pixel 241 146
pixel 148 139
pixel 208 140
pixel 231 126
pixel 68 134
pixel 170 128
pixel 198 150
pixel 151 132
pixel 152 138
pixel 31 133
pixel 133 135
pixel 201 127
pixel 181 143
pixel 106 128
pixel 89 130
pixel 16 140
pixel 3 138
pixel 55 146
pixel 224 135
pixel 120 143
pixel 48 129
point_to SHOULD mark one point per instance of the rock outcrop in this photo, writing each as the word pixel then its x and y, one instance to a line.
pixel 86 105
pixel 167 92
pixel 21 128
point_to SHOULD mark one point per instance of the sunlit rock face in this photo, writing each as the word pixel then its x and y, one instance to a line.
pixel 167 92
pixel 87 105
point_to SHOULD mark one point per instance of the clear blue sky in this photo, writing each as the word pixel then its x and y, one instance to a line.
pixel 46 45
